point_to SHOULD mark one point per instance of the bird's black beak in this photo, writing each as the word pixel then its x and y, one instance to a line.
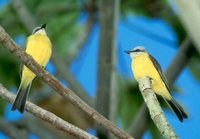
pixel 128 52
pixel 44 25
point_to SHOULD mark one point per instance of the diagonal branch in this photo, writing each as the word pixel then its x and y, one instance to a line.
pixel 155 110
pixel 66 74
pixel 180 61
pixel 34 125
pixel 48 116
pixel 10 130
pixel 66 93
pixel 23 14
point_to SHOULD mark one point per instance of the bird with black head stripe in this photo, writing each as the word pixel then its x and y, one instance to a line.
pixel 144 65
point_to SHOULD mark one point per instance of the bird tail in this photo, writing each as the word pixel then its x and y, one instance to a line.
pixel 20 100
pixel 178 110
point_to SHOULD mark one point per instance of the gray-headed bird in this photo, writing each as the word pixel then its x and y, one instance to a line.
pixel 144 65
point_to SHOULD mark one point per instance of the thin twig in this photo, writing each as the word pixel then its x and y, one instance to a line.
pixel 48 116
pixel 63 64
pixel 66 93
pixel 155 110
pixel 37 126
pixel 10 130
pixel 180 61
pixel 66 74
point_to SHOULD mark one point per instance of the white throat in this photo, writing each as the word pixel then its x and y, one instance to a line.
pixel 135 54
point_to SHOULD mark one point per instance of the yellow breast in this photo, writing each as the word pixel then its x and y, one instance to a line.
pixel 142 66
pixel 39 47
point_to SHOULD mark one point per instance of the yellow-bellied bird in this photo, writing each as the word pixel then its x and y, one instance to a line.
pixel 144 65
pixel 39 47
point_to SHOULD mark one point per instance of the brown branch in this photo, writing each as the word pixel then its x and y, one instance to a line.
pixel 48 116
pixel 155 109
pixel 63 69
pixel 10 130
pixel 66 93
pixel 180 61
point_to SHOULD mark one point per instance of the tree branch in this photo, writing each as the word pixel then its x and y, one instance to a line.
pixel 155 110
pixel 23 14
pixel 10 130
pixel 107 80
pixel 37 126
pixel 180 61
pixel 66 74
pixel 48 116
pixel 66 93
pixel 188 13
pixel 63 69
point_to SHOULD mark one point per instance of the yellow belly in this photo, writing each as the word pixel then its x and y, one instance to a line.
pixel 39 47
pixel 142 67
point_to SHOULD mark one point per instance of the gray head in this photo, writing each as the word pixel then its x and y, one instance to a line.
pixel 136 51
pixel 40 30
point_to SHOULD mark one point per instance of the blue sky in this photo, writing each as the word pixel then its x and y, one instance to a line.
pixel 161 41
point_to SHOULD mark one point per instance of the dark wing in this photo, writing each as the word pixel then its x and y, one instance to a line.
pixel 181 114
pixel 158 67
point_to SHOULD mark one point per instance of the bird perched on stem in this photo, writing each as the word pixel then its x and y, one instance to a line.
pixel 39 47
pixel 144 65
